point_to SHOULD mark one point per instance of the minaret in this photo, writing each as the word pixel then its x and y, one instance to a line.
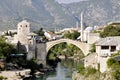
pixel 81 26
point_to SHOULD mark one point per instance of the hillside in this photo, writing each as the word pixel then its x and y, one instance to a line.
pixel 49 14
pixel 96 12
pixel 40 13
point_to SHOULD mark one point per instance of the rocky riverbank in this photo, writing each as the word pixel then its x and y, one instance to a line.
pixel 16 74
pixel 96 76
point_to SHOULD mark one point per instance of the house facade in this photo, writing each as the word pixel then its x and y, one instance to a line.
pixel 105 47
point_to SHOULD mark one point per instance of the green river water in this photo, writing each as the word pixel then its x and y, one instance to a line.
pixel 63 71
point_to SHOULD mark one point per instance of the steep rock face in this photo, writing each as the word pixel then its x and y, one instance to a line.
pixel 57 11
pixel 13 11
pixel 49 14
pixel 96 12
pixel 40 13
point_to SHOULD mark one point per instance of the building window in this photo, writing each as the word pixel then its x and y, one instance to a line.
pixel 26 25
pixel 104 47
pixel 20 25
pixel 113 48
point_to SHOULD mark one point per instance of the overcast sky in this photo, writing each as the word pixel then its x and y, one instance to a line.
pixel 67 1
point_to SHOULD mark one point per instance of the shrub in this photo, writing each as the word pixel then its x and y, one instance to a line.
pixel 115 68
pixel 90 71
pixel 112 63
pixel 81 69
pixel 3 78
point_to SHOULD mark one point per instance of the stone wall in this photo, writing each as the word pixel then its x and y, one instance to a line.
pixel 93 37
pixel 41 53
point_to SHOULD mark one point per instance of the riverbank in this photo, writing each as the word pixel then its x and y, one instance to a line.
pixel 16 74
pixel 96 76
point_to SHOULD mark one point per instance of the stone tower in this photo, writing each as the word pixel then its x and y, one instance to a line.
pixel 23 30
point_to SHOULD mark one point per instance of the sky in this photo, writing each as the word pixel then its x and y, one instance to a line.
pixel 68 1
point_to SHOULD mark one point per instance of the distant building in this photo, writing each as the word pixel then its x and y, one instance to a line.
pixel 89 36
pixel 50 35
pixel 68 29
pixel 115 24
pixel 86 33
pixel 99 28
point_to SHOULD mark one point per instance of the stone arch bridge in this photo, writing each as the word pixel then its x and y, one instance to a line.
pixel 43 48
pixel 81 45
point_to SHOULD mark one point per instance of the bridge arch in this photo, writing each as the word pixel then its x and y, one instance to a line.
pixel 81 45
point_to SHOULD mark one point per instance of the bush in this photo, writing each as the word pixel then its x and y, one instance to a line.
pixel 112 63
pixel 81 69
pixel 3 78
pixel 116 74
pixel 115 68
pixel 93 49
pixel 90 71
pixel 86 71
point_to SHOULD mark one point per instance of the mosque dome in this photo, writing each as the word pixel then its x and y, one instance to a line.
pixel 89 29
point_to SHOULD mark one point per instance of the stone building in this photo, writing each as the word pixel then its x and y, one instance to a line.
pixel 105 47
pixel 25 38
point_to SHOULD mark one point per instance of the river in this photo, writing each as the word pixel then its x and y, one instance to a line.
pixel 63 71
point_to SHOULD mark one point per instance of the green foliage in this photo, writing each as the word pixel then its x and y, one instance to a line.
pixel 40 32
pixel 81 69
pixel 3 78
pixel 93 48
pixel 98 67
pixel 116 74
pixel 112 63
pixel 110 31
pixel 96 31
pixel 64 49
pixel 115 68
pixel 73 35
pixel 86 71
pixel 90 71
pixel 52 56
pixel 5 48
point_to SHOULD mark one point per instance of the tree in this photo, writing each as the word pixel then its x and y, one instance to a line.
pixel 72 35
pixel 93 48
pixel 40 32
pixel 5 48
pixel 114 65
pixel 110 31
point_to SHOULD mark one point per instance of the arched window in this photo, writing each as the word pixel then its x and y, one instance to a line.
pixel 26 25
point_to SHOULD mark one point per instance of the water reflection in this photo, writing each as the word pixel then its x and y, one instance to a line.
pixel 60 74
